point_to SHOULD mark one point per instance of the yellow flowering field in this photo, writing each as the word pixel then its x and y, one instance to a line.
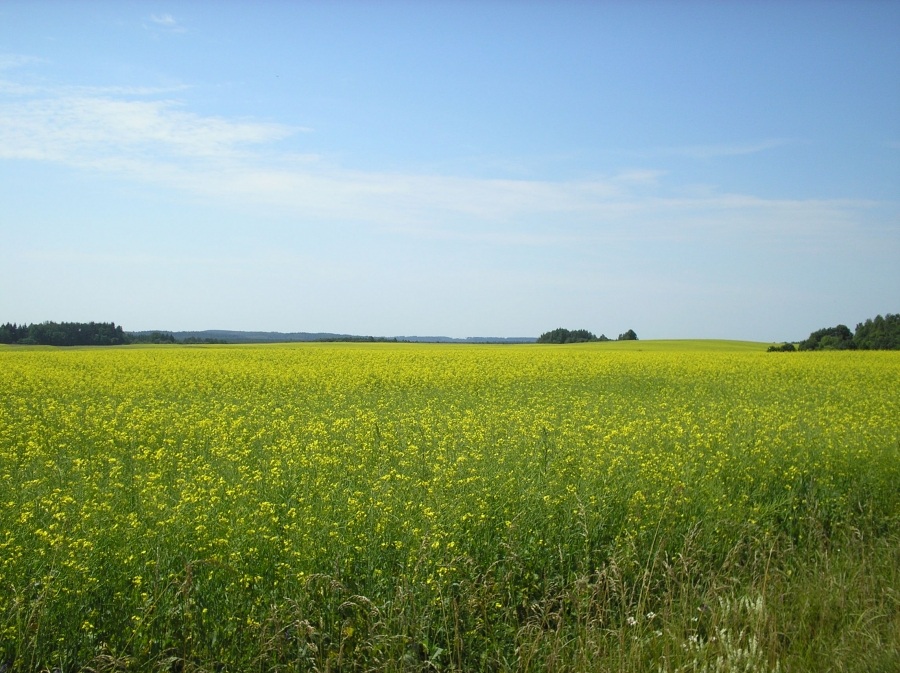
pixel 437 507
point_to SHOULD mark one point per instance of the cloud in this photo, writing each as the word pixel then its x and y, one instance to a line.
pixel 82 129
pixel 163 19
pixel 134 134
pixel 167 22
pixel 36 91
pixel 12 61
pixel 161 141
pixel 724 150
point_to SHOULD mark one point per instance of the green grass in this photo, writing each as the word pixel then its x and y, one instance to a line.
pixel 684 345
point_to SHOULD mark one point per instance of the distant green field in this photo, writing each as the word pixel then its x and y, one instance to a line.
pixel 648 505
pixel 680 345
pixel 651 345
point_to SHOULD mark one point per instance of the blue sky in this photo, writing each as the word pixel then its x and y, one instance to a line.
pixel 683 169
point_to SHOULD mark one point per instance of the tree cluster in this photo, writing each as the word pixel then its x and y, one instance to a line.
pixel 564 336
pixel 87 334
pixel 64 334
pixel 152 338
pixel 829 338
pixel 192 340
pixel 879 333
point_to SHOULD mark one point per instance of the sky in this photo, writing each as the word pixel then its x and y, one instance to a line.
pixel 472 168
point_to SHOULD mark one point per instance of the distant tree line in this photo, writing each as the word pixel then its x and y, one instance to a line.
pixel 86 334
pixel 562 335
pixel 152 338
pixel 156 337
pixel 879 333
pixel 195 340
pixel 360 339
pixel 64 334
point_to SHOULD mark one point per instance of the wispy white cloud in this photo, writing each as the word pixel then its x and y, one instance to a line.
pixel 164 19
pixel 132 133
pixel 82 129
pixel 725 149
pixel 44 91
pixel 12 61
pixel 132 259
pixel 167 22
pixel 640 176
pixel 160 141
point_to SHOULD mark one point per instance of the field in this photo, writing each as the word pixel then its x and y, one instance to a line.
pixel 667 506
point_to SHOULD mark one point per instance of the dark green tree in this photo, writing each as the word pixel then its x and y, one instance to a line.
pixel 64 334
pixel 879 333
pixel 563 336
pixel 8 334
pixel 829 338
pixel 630 335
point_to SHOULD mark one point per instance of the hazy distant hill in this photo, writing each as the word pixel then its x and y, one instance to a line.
pixel 471 340
pixel 235 336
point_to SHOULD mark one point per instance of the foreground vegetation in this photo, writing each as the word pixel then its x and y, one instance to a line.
pixel 660 507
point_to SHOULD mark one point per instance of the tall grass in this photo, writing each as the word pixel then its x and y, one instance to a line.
pixel 411 507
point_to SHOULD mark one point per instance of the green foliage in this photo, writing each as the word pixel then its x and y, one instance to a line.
pixel 152 338
pixel 192 340
pixel 64 334
pixel 563 336
pixel 880 333
pixel 630 335
pixel 786 347
pixel 10 333
pixel 829 338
